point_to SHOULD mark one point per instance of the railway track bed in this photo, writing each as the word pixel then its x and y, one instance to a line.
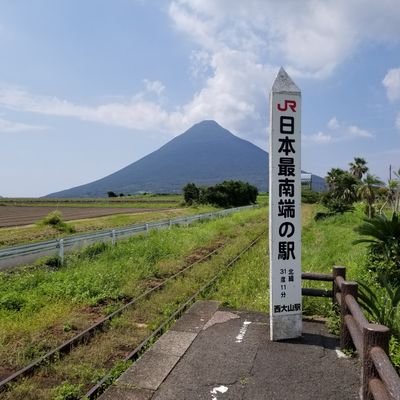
pixel 99 353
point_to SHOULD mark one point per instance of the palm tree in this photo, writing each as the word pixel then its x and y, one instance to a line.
pixel 333 177
pixel 396 184
pixel 358 168
pixel 392 198
pixel 366 191
pixel 382 235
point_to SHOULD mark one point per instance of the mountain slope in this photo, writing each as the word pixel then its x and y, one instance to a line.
pixel 204 154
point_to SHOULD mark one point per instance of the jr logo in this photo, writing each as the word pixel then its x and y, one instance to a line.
pixel 288 103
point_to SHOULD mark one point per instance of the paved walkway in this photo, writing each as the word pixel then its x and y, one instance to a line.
pixel 213 354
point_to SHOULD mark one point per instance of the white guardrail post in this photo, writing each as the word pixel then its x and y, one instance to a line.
pixel 61 251
pixel 16 255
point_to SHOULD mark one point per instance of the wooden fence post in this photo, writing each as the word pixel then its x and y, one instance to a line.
pixel 351 288
pixel 373 335
pixel 337 271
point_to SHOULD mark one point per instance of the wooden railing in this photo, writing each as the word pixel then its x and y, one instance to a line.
pixel 379 379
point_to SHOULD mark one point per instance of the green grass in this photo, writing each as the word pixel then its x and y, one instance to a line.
pixel 41 306
pixel 34 233
pixel 55 304
pixel 324 244
pixel 245 285
pixel 35 300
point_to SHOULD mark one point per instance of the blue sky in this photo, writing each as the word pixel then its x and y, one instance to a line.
pixel 87 87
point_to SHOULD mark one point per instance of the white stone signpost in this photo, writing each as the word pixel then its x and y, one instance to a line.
pixel 284 209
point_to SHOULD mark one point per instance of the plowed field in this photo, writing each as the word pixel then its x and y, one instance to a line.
pixel 20 215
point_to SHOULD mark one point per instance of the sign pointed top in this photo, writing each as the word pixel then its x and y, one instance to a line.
pixel 283 83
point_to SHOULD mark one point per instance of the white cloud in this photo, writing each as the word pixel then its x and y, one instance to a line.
pixel 136 113
pixel 333 123
pixel 319 138
pixel 234 95
pixel 7 126
pixel 310 37
pixel 154 86
pixel 340 132
pixel 240 45
pixel 354 130
pixel 398 121
pixel 391 81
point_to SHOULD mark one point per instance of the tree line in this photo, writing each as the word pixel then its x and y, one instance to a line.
pixel 380 232
pixel 357 184
pixel 226 194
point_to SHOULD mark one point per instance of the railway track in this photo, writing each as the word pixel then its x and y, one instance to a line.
pixel 100 387
pixel 101 326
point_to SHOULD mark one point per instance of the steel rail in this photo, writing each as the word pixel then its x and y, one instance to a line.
pixel 88 333
pixel 106 381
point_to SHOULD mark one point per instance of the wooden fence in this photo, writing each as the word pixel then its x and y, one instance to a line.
pixel 379 379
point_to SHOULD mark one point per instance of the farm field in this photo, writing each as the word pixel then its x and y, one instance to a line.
pixel 10 236
pixel 139 201
pixel 19 217
pixel 26 215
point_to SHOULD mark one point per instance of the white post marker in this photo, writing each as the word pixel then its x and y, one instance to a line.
pixel 285 209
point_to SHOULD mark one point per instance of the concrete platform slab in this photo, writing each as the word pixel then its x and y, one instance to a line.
pixel 174 343
pixel 149 371
pixel 121 393
pixel 229 356
pixel 196 317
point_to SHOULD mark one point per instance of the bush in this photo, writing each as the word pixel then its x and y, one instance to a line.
pixel 55 220
pixel 309 196
pixel 335 204
pixel 191 193
pixel 225 194
pixel 68 391
pixel 342 191
pixel 383 239
pixel 12 302
pixel 382 303
pixel 394 351
pixel 93 250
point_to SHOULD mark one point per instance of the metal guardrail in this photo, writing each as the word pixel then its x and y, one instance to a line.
pixel 17 255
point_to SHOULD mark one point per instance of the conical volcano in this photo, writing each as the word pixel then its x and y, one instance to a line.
pixel 205 154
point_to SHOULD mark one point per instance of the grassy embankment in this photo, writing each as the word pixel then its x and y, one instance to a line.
pixel 37 232
pixel 45 307
pixel 41 307
pixel 324 244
